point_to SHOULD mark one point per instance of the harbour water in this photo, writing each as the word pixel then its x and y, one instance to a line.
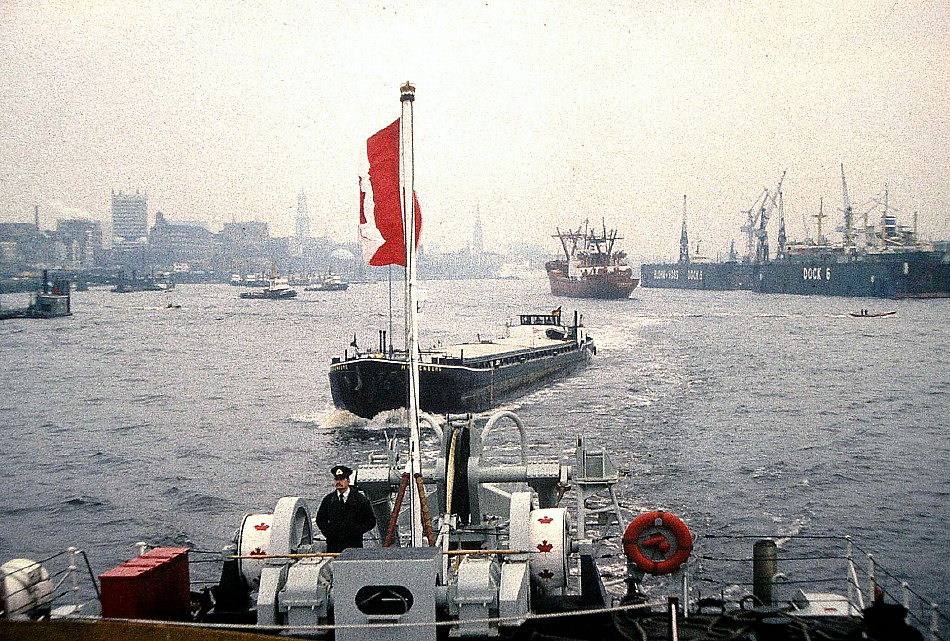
pixel 761 414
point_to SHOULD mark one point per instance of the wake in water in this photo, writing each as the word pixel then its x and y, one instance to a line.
pixel 338 419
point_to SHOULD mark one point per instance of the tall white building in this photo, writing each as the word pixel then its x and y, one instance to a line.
pixel 303 216
pixel 129 218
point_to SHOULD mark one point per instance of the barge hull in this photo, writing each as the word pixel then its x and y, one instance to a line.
pixel 368 386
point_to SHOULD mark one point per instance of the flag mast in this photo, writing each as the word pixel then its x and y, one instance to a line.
pixel 407 95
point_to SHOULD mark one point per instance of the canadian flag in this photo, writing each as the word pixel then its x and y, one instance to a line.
pixel 381 235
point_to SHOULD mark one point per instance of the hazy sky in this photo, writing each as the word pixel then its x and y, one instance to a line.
pixel 535 114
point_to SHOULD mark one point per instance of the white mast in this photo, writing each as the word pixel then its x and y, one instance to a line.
pixel 407 94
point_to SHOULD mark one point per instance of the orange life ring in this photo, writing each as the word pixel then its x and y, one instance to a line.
pixel 657 542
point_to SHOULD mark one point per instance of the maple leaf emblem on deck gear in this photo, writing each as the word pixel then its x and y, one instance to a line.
pixel 257 552
pixel 546 574
pixel 544 546
pixel 261 527
pixel 545 520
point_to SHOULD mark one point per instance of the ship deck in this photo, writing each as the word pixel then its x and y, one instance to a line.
pixel 498 347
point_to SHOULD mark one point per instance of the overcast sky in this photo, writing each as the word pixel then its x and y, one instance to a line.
pixel 535 114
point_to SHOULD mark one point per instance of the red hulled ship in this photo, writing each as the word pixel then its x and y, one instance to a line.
pixel 590 268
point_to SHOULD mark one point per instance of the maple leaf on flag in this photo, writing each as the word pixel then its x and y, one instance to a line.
pixel 544 546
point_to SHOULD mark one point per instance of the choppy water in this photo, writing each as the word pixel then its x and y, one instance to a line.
pixel 740 412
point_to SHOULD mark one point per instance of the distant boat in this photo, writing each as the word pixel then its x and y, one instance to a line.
pixel 124 284
pixel 866 314
pixel 328 283
pixel 52 300
pixel 250 280
pixel 276 289
pixel 591 267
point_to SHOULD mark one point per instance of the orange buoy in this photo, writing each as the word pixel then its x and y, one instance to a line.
pixel 657 542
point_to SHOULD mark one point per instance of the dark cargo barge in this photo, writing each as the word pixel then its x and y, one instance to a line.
pixel 470 377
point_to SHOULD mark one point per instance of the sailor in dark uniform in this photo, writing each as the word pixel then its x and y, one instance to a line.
pixel 344 514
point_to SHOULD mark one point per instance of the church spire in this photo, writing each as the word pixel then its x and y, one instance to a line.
pixel 684 238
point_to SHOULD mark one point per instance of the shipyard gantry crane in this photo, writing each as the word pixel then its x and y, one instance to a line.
pixel 756 228
pixel 848 229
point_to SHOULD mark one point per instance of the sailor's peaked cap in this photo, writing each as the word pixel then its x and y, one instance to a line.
pixel 340 472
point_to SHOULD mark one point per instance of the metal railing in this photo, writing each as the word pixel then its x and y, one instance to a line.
pixel 819 561
pixel 65 582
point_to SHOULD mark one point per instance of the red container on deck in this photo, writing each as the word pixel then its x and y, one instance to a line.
pixel 155 586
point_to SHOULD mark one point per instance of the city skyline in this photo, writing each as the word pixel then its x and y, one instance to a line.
pixel 535 114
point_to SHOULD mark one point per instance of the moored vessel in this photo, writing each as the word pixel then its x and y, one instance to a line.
pixel 887 260
pixel 592 267
pixel 126 284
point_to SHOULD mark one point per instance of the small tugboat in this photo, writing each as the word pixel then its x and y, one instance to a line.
pixel 591 267
pixel 474 549
pixel 276 289
pixel 52 300
pixel 468 377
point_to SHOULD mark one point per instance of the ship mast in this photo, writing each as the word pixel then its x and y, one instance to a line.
pixel 407 95
pixel 684 237
pixel 821 215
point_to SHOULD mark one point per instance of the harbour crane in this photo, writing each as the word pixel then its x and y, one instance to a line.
pixel 848 228
pixel 757 227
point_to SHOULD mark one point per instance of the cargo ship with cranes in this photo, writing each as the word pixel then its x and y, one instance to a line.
pixel 883 260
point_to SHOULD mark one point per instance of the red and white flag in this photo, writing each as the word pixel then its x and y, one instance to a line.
pixel 381 236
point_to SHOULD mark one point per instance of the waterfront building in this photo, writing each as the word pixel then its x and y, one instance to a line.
pixel 181 242
pixel 22 245
pixel 81 242
pixel 243 248
pixel 129 218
